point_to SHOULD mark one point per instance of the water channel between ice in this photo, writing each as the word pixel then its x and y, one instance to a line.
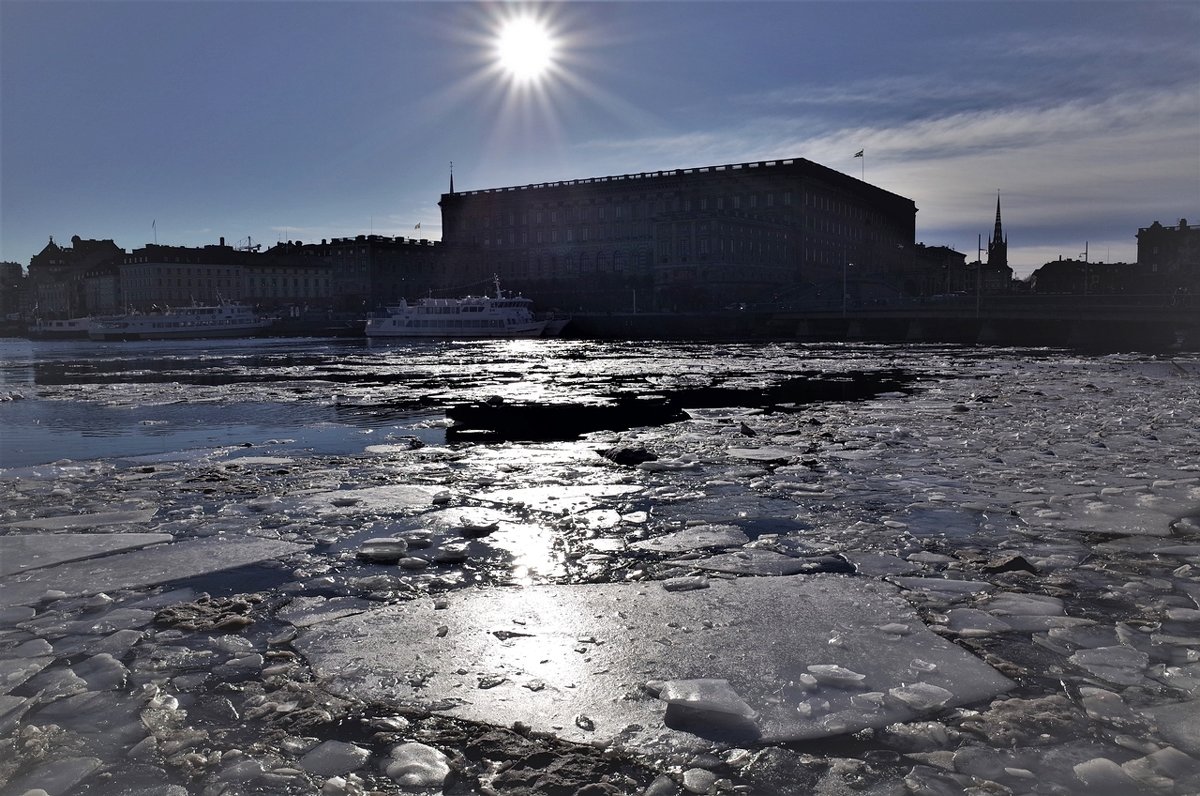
pixel 534 567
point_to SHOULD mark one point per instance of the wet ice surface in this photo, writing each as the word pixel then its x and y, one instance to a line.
pixel 982 574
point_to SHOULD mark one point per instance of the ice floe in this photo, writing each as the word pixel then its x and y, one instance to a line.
pixel 594 647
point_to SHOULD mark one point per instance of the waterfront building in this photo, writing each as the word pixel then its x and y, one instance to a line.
pixel 57 276
pixel 288 275
pixel 12 290
pixel 685 239
pixel 1170 256
pixel 940 270
pixel 367 272
pixel 155 277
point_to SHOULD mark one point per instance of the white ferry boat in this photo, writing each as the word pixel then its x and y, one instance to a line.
pixel 218 320
pixel 59 329
pixel 470 316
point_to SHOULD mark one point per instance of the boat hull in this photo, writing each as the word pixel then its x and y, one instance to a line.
pixel 177 334
pixel 72 329
pixel 383 330
pixel 193 323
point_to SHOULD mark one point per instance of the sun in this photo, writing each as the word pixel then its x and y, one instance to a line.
pixel 525 49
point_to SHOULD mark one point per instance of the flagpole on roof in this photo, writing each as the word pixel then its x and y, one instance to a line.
pixel 862 154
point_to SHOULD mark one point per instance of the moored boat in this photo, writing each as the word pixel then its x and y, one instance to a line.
pixel 59 328
pixel 471 316
pixel 226 319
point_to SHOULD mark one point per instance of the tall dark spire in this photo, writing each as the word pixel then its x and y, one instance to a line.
pixel 998 234
pixel 998 245
pixel 452 176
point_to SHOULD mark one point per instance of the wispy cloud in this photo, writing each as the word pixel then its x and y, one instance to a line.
pixel 1108 164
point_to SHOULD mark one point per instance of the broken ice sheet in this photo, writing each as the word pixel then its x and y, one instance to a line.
pixel 559 499
pixel 593 648
pixel 20 552
pixel 695 538
pixel 394 499
pixel 138 568
pixel 751 561
pixel 96 520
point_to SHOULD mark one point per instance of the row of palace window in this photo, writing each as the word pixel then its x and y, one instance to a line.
pixel 576 214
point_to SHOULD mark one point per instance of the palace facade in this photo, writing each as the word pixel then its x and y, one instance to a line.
pixel 686 239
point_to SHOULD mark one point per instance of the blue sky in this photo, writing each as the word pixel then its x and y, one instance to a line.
pixel 309 120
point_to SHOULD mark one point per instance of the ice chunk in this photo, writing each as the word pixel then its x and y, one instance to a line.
pixel 334 758
pixel 102 672
pixel 14 672
pixel 765 454
pixel 56 777
pixel 973 623
pixel 707 707
pixel 1104 776
pixel 695 538
pixel 832 674
pixel 1121 665
pixel 705 694
pixel 1179 723
pixel 922 696
pixel 1013 604
pixel 383 550
pixel 748 561
pixel 686 583
pixel 945 588
pixel 375 500
pixel 1169 763
pixel 97 520
pixel 21 552
pixel 147 567
pixel 415 765
pixel 880 564
pixel 1102 705
pixel 673 635
pixel 305 611
pixel 699 780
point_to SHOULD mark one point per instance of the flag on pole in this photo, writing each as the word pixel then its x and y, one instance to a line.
pixel 418 226
pixel 859 153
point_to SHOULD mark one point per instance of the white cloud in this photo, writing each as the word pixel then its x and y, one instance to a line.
pixel 1082 170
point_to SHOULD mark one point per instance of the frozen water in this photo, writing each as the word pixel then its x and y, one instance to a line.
pixel 97 520
pixel 1121 665
pixel 646 634
pixel 1179 723
pixel 333 758
pixel 748 561
pixel 1001 457
pixel 695 538
pixel 20 552
pixel 416 766
pixel 56 778
pixel 147 567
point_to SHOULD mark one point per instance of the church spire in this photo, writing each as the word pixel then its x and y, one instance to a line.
pixel 998 235
pixel 998 245
pixel 452 176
